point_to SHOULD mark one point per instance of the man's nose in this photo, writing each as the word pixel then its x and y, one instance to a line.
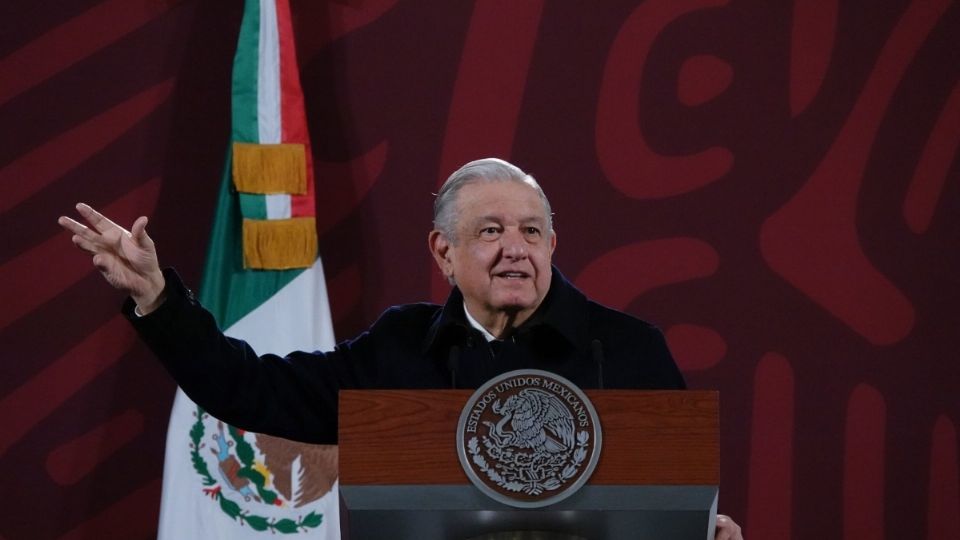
pixel 513 244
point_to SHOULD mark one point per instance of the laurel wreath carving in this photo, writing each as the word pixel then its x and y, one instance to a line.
pixel 246 455
pixel 511 462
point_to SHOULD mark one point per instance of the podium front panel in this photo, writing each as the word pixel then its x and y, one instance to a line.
pixel 400 476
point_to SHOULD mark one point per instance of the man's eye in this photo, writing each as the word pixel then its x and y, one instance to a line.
pixel 490 233
pixel 531 231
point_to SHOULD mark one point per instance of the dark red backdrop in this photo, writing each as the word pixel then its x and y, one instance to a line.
pixel 775 184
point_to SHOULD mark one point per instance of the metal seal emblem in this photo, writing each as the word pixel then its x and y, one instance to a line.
pixel 529 438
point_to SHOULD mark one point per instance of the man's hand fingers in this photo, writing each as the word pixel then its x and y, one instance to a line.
pixel 727 529
pixel 100 263
pixel 97 220
pixel 73 226
pixel 84 244
pixel 139 232
pixel 92 239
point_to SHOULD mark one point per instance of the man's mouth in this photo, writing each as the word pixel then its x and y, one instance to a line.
pixel 512 275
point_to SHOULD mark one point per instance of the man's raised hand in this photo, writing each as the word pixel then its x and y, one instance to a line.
pixel 127 259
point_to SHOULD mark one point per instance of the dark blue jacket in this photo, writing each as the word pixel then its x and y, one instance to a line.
pixel 410 346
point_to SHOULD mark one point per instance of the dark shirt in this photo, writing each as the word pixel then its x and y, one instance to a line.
pixel 417 346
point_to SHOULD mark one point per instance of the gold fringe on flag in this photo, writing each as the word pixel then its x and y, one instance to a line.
pixel 269 168
pixel 279 244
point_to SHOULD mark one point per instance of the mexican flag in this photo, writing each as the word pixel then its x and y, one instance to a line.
pixel 264 283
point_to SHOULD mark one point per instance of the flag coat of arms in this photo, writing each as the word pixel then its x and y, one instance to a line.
pixel 264 283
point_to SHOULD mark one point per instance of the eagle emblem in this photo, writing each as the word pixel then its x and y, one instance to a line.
pixel 528 438
pixel 537 420
pixel 265 483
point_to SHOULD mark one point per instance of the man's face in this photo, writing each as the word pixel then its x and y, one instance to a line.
pixel 501 258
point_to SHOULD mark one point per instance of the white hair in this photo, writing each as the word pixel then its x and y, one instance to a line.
pixel 481 170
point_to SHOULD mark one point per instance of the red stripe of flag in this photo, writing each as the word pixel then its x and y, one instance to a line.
pixel 293 118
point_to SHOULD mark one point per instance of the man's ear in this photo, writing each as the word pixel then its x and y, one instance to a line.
pixel 440 249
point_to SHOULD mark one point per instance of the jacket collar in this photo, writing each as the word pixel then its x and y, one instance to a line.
pixel 563 311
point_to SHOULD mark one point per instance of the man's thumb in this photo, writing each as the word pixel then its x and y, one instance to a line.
pixel 139 232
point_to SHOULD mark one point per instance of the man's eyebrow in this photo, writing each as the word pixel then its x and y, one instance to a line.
pixel 534 219
pixel 493 218
pixel 487 219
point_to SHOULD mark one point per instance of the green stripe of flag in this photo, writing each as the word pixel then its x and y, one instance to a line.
pixel 253 205
pixel 245 76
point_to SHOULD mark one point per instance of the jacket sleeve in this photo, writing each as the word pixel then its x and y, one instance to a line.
pixel 292 396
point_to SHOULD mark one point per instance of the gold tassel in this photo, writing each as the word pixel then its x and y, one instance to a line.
pixel 269 168
pixel 279 244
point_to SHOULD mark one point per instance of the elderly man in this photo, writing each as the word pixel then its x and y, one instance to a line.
pixel 509 309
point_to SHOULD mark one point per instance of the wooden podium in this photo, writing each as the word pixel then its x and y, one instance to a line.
pixel 400 477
